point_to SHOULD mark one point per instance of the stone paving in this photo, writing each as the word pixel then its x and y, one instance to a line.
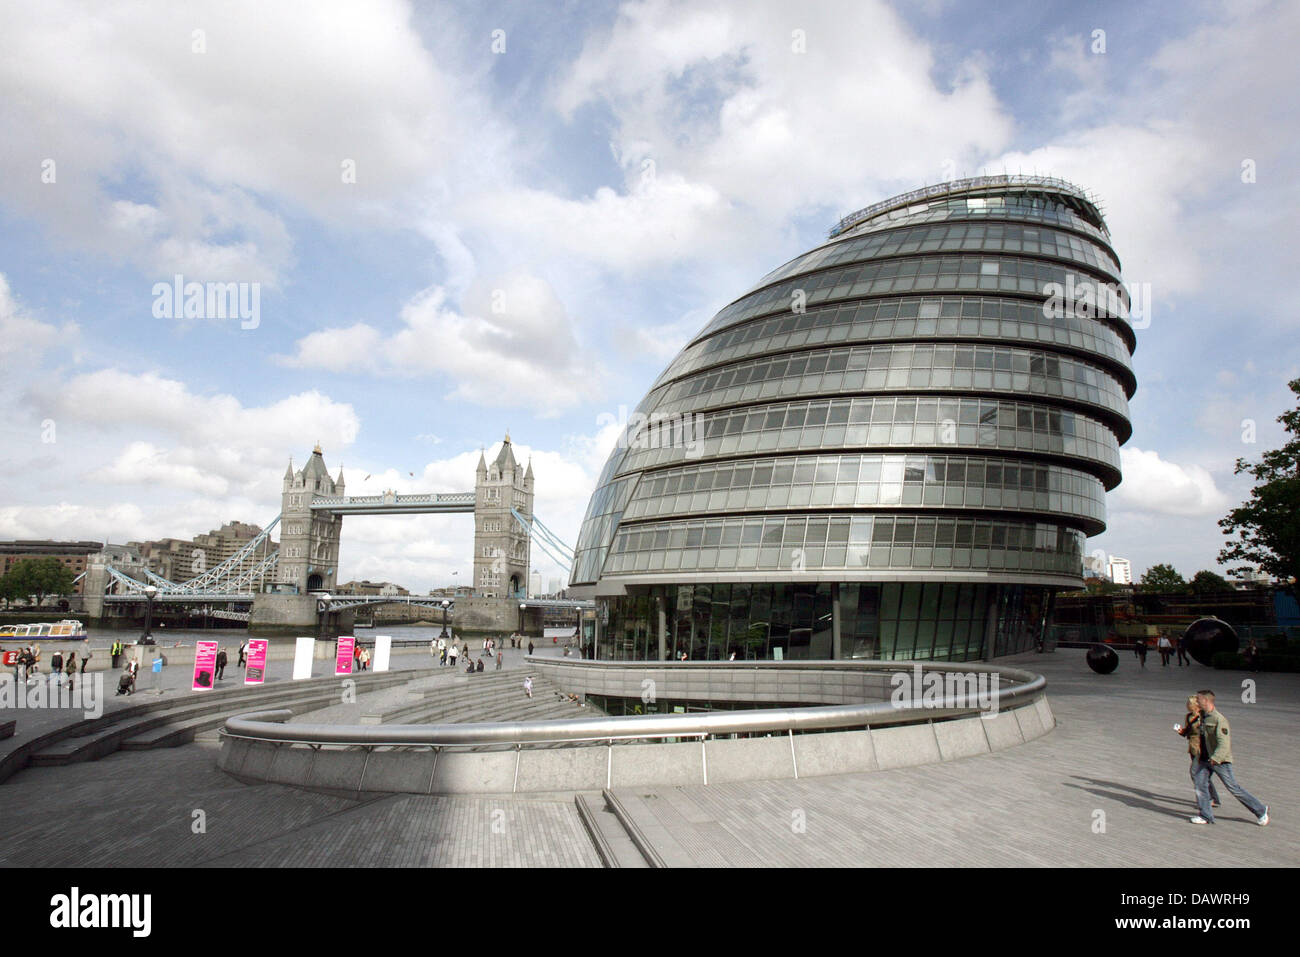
pixel 1113 761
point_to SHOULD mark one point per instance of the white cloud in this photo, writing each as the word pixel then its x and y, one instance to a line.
pixel 1167 488
pixel 169 157
pixel 20 334
pixel 723 132
pixel 512 344
pixel 179 439
pixel 143 464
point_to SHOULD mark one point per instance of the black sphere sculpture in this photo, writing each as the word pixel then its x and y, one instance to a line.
pixel 1102 659
pixel 1206 637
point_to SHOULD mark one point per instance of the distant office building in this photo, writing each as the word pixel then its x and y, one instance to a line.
pixel 178 559
pixel 893 446
pixel 1251 578
pixel 75 555
pixel 553 586
pixel 1120 571
pixel 534 584
pixel 1094 566
pixel 374 589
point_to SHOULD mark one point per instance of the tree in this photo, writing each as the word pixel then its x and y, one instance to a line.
pixel 1100 586
pixel 39 577
pixel 1268 525
pixel 1162 578
pixel 1207 583
pixel 10 588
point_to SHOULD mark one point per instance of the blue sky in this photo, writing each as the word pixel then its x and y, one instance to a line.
pixel 541 217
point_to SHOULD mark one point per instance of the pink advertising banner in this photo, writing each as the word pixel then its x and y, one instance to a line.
pixel 343 663
pixel 255 667
pixel 205 665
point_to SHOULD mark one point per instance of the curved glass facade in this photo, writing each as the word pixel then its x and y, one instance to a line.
pixel 892 446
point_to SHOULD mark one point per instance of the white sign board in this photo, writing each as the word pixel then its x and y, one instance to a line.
pixel 383 648
pixel 302 656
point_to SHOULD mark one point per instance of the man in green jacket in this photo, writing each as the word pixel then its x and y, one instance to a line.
pixel 1216 758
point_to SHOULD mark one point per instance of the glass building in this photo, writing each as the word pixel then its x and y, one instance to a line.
pixel 893 446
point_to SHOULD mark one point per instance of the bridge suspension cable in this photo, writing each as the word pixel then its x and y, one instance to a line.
pixel 550 543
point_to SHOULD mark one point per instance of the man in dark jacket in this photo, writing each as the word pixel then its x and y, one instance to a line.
pixel 221 663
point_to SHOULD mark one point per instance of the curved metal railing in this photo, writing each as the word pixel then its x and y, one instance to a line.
pixel 1022 687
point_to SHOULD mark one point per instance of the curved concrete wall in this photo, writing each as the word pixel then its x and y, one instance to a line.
pixel 371 770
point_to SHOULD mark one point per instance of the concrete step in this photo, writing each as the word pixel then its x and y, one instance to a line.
pixel 614 845
pixel 509 704
pixel 175 733
pixel 209 711
pixel 235 700
pixel 650 834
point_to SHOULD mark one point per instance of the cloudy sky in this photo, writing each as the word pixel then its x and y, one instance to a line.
pixel 468 218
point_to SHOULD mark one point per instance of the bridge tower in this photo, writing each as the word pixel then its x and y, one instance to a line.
pixel 501 546
pixel 309 540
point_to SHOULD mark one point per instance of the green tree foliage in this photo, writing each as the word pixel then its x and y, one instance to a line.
pixel 1267 527
pixel 1207 583
pixel 1100 586
pixel 37 577
pixel 1162 578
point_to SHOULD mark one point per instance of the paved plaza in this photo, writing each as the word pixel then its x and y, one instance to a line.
pixel 1109 786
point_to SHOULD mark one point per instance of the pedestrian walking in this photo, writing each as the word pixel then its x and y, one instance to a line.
pixel 1252 656
pixel 1184 647
pixel 356 656
pixel 452 653
pixel 528 686
pixel 1166 648
pixel 1216 759
pixel 85 657
pixel 243 654
pixel 56 665
pixel 442 651
pixel 499 657
pixel 1140 649
pixel 70 668
pixel 1191 730
pixel 221 663
pixel 530 646
pixel 365 659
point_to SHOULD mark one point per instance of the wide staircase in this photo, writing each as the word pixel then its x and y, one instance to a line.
pixel 170 722
pixel 493 696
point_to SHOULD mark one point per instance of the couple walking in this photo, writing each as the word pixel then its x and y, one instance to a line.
pixel 1206 732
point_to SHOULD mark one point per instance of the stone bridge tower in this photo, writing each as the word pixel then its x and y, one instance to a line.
pixel 309 541
pixel 501 544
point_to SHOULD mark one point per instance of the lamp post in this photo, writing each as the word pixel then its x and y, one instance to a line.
pixel 150 592
pixel 323 609
pixel 445 605
pixel 522 606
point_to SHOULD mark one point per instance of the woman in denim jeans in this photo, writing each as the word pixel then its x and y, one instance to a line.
pixel 1191 730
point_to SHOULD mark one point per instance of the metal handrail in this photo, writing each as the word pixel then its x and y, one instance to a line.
pixel 268 725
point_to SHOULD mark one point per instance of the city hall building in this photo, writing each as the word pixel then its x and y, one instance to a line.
pixel 891 447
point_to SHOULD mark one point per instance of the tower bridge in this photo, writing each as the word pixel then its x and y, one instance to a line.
pixel 289 587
